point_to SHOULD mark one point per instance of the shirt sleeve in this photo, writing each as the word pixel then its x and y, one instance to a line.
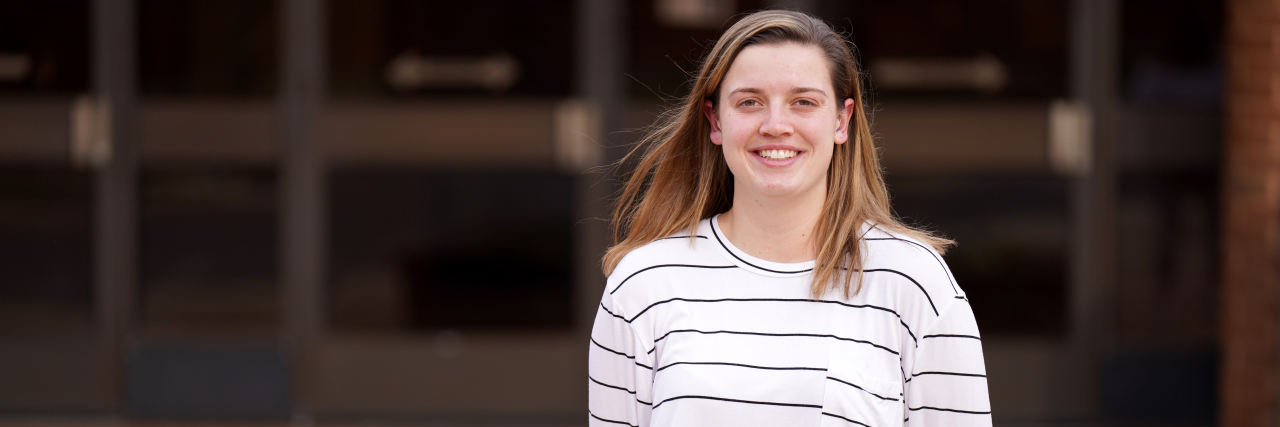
pixel 947 384
pixel 619 373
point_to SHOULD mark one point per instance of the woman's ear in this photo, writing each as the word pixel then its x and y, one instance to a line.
pixel 842 121
pixel 709 110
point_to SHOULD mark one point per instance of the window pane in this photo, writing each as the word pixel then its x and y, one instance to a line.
pixel 209 249
pixel 1171 51
pixel 207 47
pixel 1026 39
pixel 44 45
pixel 44 250
pixel 1167 255
pixel 530 39
pixel 430 249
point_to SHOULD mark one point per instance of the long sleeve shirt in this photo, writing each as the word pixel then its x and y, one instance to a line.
pixel 695 332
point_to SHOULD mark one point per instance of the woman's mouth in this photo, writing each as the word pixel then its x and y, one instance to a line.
pixel 777 154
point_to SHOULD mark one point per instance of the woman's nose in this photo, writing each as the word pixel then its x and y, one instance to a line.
pixel 777 123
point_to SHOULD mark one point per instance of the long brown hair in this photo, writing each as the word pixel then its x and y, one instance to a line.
pixel 681 178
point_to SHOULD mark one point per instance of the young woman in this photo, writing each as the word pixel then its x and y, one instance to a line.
pixel 758 276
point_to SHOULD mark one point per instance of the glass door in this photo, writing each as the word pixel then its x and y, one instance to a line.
pixel 53 353
pixel 205 339
pixel 455 154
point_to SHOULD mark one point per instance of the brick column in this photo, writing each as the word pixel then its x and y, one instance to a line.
pixel 1251 215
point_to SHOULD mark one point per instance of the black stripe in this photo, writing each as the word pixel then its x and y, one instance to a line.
pixel 725 399
pixel 741 365
pixel 593 341
pixel 610 386
pixel 887 310
pixel 904 323
pixel 961 297
pixel 620 388
pixel 908 328
pixel 931 253
pixel 958 374
pixel 777 335
pixel 950 336
pixel 951 410
pixel 606 310
pixel 610 421
pixel 860 388
pixel 683 237
pixel 726 248
pixel 624 281
pixel 843 418
pixel 926 293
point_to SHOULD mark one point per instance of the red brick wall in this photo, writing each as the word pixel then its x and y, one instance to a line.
pixel 1251 203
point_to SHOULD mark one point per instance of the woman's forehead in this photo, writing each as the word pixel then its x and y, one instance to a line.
pixel 778 67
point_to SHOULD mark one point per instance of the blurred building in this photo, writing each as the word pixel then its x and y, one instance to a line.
pixel 390 211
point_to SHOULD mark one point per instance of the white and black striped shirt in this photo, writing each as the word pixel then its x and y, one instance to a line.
pixel 698 333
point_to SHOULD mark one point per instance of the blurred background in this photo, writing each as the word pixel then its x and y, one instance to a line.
pixel 384 212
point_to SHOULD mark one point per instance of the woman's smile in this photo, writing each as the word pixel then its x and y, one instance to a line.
pixel 777 154
pixel 777 157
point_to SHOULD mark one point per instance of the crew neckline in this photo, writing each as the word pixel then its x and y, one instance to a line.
pixel 748 262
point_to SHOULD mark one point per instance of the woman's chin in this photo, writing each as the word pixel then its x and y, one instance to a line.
pixel 777 188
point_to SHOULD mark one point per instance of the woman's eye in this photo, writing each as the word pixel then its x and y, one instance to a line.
pixel 748 103
pixel 807 103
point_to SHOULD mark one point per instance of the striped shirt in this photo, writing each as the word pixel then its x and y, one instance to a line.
pixel 695 332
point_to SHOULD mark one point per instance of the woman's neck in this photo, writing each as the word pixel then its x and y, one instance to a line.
pixel 773 229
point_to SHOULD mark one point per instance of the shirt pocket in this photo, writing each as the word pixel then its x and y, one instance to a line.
pixel 854 399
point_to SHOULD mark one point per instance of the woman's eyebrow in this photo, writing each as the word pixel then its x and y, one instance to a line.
pixel 808 89
pixel 797 89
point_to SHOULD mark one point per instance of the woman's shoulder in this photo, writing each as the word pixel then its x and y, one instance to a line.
pixel 683 248
pixel 912 260
pixel 884 242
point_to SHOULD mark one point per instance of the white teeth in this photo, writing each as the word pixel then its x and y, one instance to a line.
pixel 778 154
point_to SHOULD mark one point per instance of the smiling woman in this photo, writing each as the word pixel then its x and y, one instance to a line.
pixel 758 276
pixel 778 126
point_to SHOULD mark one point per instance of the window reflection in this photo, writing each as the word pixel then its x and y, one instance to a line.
pixel 44 250
pixel 430 249
pixel 209 249
pixel 207 47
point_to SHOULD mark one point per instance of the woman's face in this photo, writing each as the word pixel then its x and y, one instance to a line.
pixel 778 120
